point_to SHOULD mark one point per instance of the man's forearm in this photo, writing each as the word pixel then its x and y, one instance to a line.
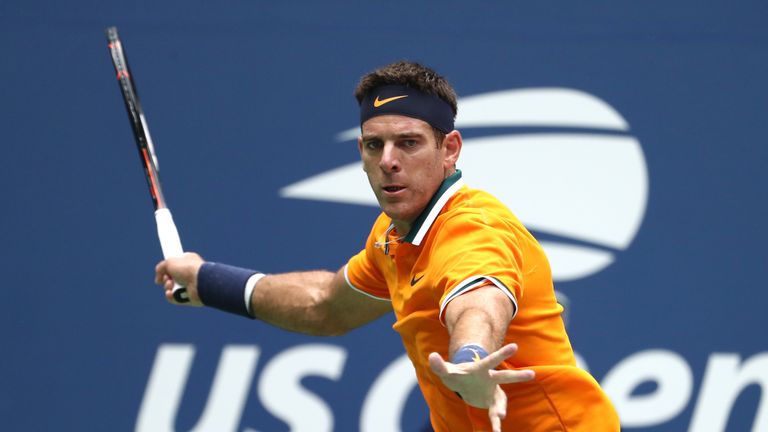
pixel 480 317
pixel 296 301
pixel 475 326
pixel 315 302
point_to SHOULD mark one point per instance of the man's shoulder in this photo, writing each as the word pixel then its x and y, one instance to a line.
pixel 469 202
pixel 475 212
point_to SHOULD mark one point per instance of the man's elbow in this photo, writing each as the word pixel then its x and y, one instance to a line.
pixel 328 327
pixel 326 320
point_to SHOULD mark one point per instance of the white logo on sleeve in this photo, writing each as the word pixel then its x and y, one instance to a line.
pixel 574 174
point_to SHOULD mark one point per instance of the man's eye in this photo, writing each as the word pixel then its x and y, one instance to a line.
pixel 409 143
pixel 372 145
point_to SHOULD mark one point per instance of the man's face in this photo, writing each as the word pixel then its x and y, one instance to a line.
pixel 404 164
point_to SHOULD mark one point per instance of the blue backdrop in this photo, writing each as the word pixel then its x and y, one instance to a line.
pixel 630 137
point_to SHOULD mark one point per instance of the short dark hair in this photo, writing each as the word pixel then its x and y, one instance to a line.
pixel 413 75
pixel 410 74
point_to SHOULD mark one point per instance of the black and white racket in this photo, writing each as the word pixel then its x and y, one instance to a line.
pixel 166 229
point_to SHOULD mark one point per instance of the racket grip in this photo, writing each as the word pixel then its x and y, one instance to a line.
pixel 170 243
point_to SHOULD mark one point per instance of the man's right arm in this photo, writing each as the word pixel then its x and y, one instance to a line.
pixel 313 302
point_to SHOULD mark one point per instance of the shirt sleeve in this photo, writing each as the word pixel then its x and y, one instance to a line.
pixel 476 250
pixel 363 275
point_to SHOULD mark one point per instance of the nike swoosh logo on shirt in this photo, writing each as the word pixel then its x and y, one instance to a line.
pixel 415 280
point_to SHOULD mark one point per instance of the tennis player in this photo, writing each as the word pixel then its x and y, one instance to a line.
pixel 470 287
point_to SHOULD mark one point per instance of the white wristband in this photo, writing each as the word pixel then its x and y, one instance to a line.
pixel 249 286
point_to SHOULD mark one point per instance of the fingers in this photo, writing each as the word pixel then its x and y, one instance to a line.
pixel 163 278
pixel 509 376
pixel 478 382
pixel 183 271
pixel 498 409
pixel 495 422
pixel 495 358
pixel 160 271
pixel 443 369
pixel 438 365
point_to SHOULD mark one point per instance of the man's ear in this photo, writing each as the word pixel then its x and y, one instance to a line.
pixel 360 149
pixel 452 143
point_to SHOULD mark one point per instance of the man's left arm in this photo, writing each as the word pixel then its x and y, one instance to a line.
pixel 477 322
pixel 481 316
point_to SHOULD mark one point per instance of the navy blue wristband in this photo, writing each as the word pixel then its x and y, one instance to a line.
pixel 222 287
pixel 469 353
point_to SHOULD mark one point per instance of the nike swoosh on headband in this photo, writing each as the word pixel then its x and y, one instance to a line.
pixel 377 103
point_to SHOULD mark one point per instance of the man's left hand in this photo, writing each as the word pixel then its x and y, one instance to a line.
pixel 478 382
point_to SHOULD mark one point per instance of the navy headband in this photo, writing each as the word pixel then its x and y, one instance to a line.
pixel 409 102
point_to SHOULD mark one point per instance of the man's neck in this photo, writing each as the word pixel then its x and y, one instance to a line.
pixel 402 228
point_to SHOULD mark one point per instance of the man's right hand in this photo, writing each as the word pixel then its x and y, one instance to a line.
pixel 182 270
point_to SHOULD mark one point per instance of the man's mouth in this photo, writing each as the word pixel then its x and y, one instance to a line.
pixel 393 189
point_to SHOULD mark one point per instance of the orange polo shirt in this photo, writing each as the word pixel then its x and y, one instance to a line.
pixel 465 239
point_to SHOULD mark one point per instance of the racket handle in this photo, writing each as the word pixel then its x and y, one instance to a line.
pixel 170 243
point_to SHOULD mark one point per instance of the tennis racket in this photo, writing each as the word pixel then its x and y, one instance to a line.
pixel 170 242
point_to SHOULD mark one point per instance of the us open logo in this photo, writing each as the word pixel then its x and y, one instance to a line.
pixel 562 160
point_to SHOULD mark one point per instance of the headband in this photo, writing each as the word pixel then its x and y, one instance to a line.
pixel 409 102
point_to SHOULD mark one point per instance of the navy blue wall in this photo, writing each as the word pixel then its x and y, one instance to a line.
pixel 246 98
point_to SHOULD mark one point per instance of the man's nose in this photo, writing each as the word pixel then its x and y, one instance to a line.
pixel 390 158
